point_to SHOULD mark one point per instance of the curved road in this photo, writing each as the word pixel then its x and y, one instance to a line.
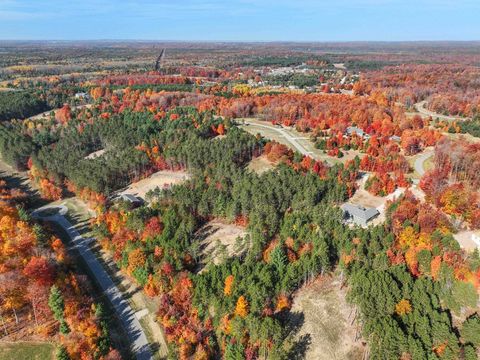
pixel 289 139
pixel 420 161
pixel 420 107
pixel 287 136
pixel 137 337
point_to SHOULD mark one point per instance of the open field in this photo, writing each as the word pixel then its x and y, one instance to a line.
pixel 159 179
pixel 218 239
pixel 26 351
pixel 329 329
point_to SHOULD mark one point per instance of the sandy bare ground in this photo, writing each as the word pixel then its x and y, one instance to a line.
pixel 159 179
pixel 95 154
pixel 363 197
pixel 327 323
pixel 463 137
pixel 260 165
pixel 218 239
pixel 465 240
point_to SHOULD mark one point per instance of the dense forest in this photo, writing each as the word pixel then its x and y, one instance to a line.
pixel 20 105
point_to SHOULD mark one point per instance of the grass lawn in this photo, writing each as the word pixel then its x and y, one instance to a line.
pixel 26 351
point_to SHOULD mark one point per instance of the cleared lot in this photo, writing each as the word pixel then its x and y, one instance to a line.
pixel 159 179
pixel 363 197
pixel 260 165
pixel 328 328
pixel 218 239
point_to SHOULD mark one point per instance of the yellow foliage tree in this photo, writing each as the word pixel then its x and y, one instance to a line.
pixel 283 303
pixel 407 238
pixel 242 307
pixel 227 290
pixel 136 259
pixel 403 307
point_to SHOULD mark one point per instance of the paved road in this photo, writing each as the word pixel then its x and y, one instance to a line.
pixel 287 136
pixel 419 161
pixel 420 107
pixel 131 324
pixel 47 113
pixel 290 139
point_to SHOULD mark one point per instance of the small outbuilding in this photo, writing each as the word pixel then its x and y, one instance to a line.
pixel 359 215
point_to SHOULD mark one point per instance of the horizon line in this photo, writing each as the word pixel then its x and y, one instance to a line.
pixel 241 41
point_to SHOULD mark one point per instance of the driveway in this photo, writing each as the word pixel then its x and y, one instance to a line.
pixel 138 339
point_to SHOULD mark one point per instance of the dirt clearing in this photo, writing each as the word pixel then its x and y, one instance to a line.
pixel 327 322
pixel 159 179
pixel 218 239
pixel 95 154
pixel 467 239
pixel 363 197
pixel 260 165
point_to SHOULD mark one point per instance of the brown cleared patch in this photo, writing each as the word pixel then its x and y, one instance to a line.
pixel 327 327
pixel 217 240
pixel 363 197
pixel 260 165
pixel 465 239
pixel 95 154
pixel 160 179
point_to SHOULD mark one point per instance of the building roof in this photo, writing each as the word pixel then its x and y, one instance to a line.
pixel 353 129
pixel 359 211
pixel 395 138
pixel 130 197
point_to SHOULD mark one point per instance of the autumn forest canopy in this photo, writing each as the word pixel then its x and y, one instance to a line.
pixel 224 181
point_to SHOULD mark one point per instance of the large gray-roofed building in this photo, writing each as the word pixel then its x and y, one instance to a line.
pixel 360 215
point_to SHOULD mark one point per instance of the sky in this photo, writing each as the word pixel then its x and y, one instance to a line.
pixel 240 20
